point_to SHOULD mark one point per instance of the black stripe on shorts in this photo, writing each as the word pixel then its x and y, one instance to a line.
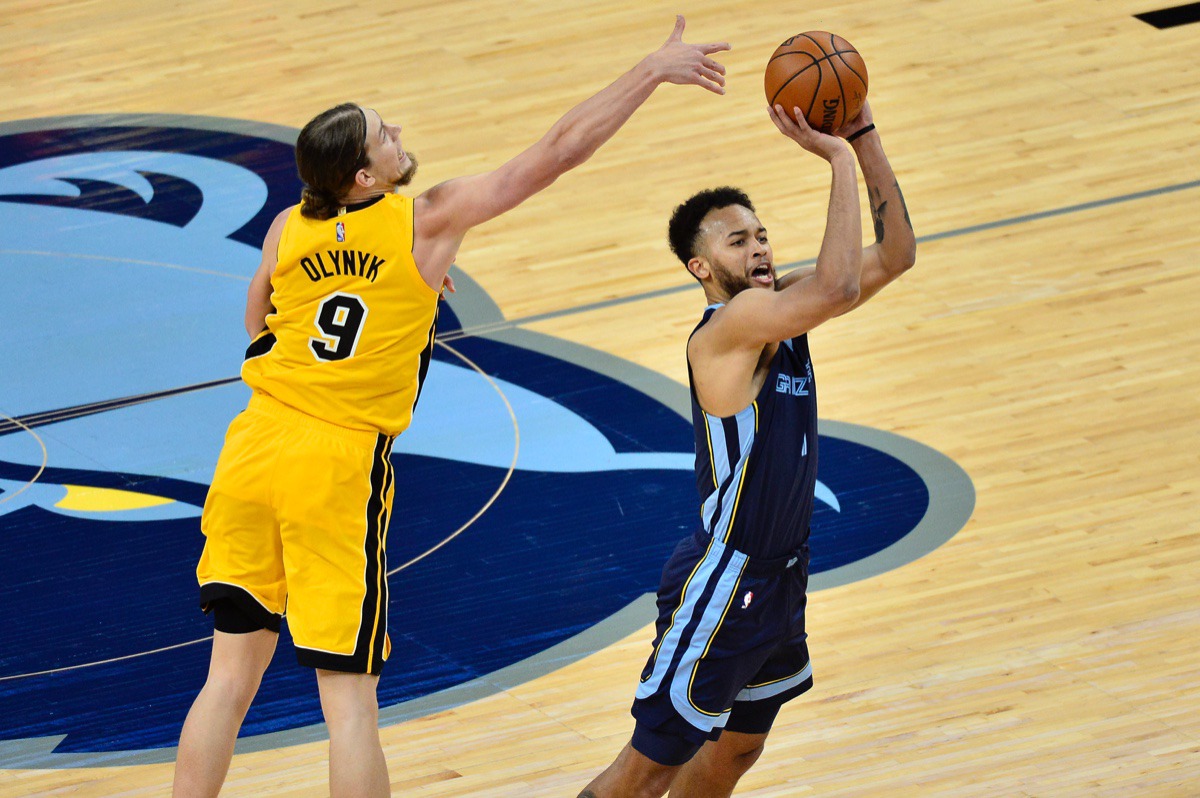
pixel 372 633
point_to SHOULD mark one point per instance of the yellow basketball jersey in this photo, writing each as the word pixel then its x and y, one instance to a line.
pixel 352 332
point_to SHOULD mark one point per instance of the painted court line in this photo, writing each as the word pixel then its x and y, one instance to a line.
pixel 962 231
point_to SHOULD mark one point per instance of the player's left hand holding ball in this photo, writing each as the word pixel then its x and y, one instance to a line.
pixel 856 124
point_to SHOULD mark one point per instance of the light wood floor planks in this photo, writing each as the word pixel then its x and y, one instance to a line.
pixel 1049 649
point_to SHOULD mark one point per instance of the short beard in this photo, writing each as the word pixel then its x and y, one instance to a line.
pixel 730 283
pixel 408 174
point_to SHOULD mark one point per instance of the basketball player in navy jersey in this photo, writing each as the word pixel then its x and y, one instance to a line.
pixel 731 648
pixel 298 511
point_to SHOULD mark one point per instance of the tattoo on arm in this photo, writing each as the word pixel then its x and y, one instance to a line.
pixel 877 210
pixel 903 205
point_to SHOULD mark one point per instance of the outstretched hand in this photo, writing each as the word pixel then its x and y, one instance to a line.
pixel 681 63
pixel 803 134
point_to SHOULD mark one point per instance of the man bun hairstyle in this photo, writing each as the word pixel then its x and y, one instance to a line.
pixel 330 150
pixel 683 231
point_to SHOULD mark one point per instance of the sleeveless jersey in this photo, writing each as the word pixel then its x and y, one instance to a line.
pixel 351 335
pixel 757 470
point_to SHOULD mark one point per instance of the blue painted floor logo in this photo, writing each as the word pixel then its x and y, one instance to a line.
pixel 539 490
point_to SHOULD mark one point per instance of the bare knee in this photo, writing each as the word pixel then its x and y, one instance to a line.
pixel 237 665
pixel 348 700
pixel 233 687
pixel 735 761
pixel 744 760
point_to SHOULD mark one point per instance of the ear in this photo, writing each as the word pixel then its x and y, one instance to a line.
pixel 699 267
pixel 364 179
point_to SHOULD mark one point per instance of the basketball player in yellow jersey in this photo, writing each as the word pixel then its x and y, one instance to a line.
pixel 342 313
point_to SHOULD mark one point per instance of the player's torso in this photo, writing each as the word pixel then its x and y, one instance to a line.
pixel 351 335
pixel 756 470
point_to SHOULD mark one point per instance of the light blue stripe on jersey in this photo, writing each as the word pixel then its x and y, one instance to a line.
pixel 710 621
pixel 729 483
pixel 720 453
pixel 761 691
pixel 683 616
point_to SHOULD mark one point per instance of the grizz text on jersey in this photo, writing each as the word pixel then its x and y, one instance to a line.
pixel 339 262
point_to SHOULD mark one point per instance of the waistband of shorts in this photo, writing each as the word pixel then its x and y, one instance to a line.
pixel 765 566
pixel 270 406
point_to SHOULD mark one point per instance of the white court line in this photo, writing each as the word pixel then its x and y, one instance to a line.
pixel 503 483
pixel 41 469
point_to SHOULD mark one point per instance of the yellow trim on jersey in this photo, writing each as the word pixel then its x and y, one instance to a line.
pixel 712 460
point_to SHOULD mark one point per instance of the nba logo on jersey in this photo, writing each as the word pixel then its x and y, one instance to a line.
pixel 341 233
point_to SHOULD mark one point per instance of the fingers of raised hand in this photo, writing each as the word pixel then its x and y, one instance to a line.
pixel 714 83
pixel 713 75
pixel 777 116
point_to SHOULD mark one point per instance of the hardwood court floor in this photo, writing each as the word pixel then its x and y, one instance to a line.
pixel 1046 341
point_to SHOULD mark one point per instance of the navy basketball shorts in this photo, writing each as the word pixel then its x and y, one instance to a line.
pixel 730 648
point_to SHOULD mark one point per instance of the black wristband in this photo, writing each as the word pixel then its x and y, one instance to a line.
pixel 858 133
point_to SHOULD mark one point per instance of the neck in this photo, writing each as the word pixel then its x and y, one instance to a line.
pixel 359 194
pixel 714 295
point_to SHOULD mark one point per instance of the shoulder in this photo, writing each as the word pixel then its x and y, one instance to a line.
pixel 275 231
pixel 281 219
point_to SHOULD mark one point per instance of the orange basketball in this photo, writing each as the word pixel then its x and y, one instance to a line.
pixel 822 75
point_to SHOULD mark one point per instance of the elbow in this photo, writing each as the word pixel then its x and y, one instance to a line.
pixel 843 296
pixel 849 294
pixel 566 151
pixel 571 155
pixel 903 258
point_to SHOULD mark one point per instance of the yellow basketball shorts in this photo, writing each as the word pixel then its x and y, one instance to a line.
pixel 296 521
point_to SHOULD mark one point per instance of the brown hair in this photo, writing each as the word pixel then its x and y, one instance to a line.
pixel 330 150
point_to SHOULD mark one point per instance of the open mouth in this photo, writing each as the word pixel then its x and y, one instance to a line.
pixel 763 274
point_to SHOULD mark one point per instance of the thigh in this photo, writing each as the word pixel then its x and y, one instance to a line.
pixel 335 503
pixel 242 656
pixel 711 640
pixel 781 676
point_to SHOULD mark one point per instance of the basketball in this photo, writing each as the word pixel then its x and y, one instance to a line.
pixel 822 75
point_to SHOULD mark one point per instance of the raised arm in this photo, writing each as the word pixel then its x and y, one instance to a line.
pixel 754 318
pixel 447 211
pixel 895 249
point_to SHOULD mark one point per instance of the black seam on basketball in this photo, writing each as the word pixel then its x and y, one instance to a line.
pixel 841 87
pixel 783 85
pixel 816 91
pixel 814 41
pixel 852 69
pixel 816 62
pixel 794 74
pixel 793 52
pixel 826 56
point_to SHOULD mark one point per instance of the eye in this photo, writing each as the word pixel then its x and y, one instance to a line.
pixel 737 242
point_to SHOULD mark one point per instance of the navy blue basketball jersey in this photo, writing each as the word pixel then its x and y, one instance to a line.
pixel 757 470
